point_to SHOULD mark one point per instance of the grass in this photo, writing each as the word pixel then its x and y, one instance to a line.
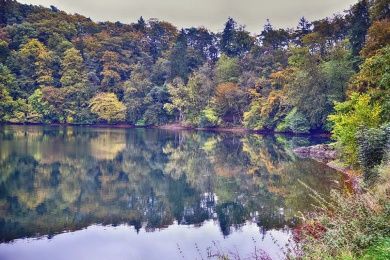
pixel 378 251
pixel 349 226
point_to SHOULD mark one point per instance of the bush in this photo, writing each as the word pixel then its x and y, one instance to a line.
pixel 208 118
pixel 372 144
pixel 295 122
pixel 252 118
pixel 350 116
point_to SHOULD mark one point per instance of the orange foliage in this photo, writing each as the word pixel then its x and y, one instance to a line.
pixel 377 38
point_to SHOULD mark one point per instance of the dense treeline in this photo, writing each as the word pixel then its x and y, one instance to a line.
pixel 62 68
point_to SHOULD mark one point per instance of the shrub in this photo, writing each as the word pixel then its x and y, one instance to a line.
pixel 350 116
pixel 208 118
pixel 252 118
pixel 372 144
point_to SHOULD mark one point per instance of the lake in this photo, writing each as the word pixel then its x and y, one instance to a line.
pixel 101 193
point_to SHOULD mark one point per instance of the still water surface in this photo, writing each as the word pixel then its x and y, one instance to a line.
pixel 90 193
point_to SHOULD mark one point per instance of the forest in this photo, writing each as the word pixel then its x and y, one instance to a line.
pixel 62 68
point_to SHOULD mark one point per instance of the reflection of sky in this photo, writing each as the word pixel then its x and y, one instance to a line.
pixel 122 242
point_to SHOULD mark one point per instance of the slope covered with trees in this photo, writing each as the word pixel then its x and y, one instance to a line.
pixel 61 68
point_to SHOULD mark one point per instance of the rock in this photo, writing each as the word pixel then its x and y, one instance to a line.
pixel 322 152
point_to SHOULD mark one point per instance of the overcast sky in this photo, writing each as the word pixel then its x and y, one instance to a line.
pixel 209 13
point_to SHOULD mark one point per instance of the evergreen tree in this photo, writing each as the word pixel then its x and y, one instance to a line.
pixel 227 43
pixel 303 28
pixel 141 24
pixel 359 23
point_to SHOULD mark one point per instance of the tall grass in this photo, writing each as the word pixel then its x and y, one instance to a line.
pixel 349 226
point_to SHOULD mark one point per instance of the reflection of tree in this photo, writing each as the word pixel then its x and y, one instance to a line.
pixel 55 179
pixel 107 145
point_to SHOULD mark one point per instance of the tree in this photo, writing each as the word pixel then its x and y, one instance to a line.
pixel 6 104
pixel 274 39
pixel 113 70
pixel 4 51
pixel 372 148
pixel 377 38
pixel 178 57
pixel 359 20
pixel 295 122
pixel 178 104
pixel 8 80
pixel 108 108
pixel 357 112
pixel 374 78
pixel 235 41
pixel 227 38
pixel 75 87
pixel 39 108
pixel 35 66
pixel 380 9
pixel 230 101
pixel 136 90
pixel 191 99
pixel 227 69
pixel 337 71
pixel 141 24
pixel 73 70
pixel 303 28
pixel 202 42
pixel 306 88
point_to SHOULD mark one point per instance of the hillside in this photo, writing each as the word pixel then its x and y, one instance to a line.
pixel 63 68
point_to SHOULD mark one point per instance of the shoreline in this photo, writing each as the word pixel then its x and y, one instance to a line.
pixel 180 127
pixel 327 155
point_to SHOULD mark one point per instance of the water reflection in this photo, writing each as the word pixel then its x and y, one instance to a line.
pixel 65 179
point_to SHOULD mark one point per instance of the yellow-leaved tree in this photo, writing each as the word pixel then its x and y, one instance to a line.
pixel 108 108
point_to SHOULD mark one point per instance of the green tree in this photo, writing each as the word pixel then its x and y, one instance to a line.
pixel 357 112
pixel 6 104
pixel 235 41
pixel 189 100
pixel 8 80
pixel 374 78
pixel 295 122
pixel 274 38
pixel 108 108
pixel 227 69
pixel 113 71
pixel 35 67
pixel 136 90
pixel 303 28
pixel 178 58
pixel 73 70
pixel 40 110
pixel 359 20
pixel 337 71
pixel 306 88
